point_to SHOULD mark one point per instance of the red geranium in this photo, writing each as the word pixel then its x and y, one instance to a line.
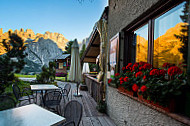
pixel 166 65
pixel 154 72
pixel 135 66
pixel 117 74
pixel 109 81
pixel 138 74
pixel 162 72
pixel 123 68
pixel 144 78
pixel 121 78
pixel 143 88
pixel 174 70
pixel 141 68
pixel 126 79
pixel 121 82
pixel 147 66
pixel 135 87
pixel 129 64
pixel 142 63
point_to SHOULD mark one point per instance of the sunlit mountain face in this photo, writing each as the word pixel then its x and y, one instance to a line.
pixel 58 38
pixel 166 47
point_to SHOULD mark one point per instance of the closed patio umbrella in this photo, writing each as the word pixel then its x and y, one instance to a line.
pixel 85 68
pixel 75 68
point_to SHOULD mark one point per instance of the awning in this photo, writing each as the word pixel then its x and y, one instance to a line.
pixel 93 48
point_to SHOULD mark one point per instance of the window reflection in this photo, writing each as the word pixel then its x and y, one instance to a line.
pixel 141 42
pixel 167 46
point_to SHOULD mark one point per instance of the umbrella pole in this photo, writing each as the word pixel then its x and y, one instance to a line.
pixel 77 93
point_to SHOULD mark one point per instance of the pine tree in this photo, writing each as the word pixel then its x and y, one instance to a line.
pixel 12 61
pixel 68 47
pixel 82 50
pixel 183 37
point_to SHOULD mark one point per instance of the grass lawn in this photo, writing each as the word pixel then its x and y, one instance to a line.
pixel 25 76
pixel 62 78
pixel 21 84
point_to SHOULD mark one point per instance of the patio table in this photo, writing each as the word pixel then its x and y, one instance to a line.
pixel 43 87
pixel 29 115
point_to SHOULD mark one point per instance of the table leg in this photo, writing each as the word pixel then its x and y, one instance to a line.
pixel 36 96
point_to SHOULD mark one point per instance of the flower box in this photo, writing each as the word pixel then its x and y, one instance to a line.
pixel 125 91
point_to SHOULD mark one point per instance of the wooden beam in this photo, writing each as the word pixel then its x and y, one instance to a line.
pixel 94 57
pixel 95 45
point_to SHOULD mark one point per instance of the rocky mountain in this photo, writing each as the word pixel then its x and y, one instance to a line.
pixel 41 48
pixel 43 51
pixel 58 38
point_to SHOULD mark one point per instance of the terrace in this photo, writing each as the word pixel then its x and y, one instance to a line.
pixel 90 115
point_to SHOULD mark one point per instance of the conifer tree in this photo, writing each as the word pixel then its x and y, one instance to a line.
pixel 12 61
pixel 183 37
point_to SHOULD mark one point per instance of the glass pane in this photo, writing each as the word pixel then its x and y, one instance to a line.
pixel 141 42
pixel 167 33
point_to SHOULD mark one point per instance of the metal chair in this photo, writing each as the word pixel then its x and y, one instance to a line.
pixel 6 102
pixel 52 100
pixel 73 113
pixel 21 96
pixel 65 91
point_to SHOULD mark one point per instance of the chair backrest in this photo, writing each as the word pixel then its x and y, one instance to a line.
pixel 67 88
pixel 6 102
pixel 16 91
pixel 73 112
pixel 52 96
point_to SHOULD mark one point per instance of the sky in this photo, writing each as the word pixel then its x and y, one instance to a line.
pixel 163 23
pixel 68 17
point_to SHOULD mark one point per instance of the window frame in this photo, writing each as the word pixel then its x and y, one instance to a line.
pixel 147 17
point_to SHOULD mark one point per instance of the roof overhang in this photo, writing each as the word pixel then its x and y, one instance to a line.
pixel 93 48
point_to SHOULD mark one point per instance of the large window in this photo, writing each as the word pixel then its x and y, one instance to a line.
pixel 167 46
pixel 163 39
pixel 141 43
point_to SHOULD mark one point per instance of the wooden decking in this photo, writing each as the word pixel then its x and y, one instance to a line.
pixel 91 117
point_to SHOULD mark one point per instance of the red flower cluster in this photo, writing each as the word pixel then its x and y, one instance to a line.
pixel 128 67
pixel 121 80
pixel 138 74
pixel 117 74
pixel 154 72
pixel 162 72
pixel 135 87
pixel 142 63
pixel 129 64
pixel 144 78
pixel 135 66
pixel 141 68
pixel 109 81
pixel 166 65
pixel 143 88
pixel 147 66
pixel 123 68
pixel 174 70
pixel 126 79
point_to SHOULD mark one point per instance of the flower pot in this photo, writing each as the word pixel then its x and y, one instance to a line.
pixel 125 91
pixel 169 108
pixel 140 97
pixel 129 92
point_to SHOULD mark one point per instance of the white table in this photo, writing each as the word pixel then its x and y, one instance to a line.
pixel 42 87
pixel 29 115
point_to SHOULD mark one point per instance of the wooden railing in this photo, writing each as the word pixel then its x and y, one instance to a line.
pixel 95 88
